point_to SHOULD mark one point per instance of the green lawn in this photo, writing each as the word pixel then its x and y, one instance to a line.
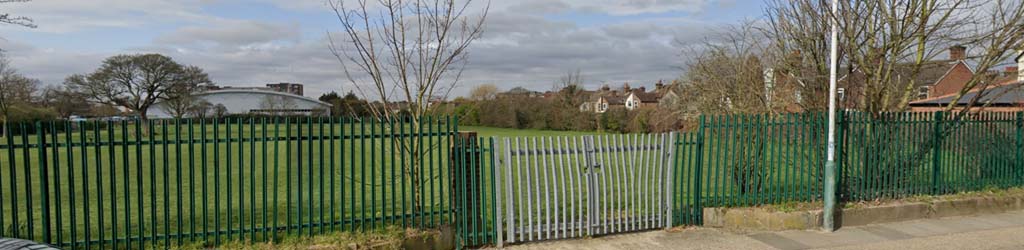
pixel 510 132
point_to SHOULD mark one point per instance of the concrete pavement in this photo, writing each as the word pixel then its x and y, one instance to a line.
pixel 997 231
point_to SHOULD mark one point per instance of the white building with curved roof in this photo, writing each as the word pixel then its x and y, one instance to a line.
pixel 248 101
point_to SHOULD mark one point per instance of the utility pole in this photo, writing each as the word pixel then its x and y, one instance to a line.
pixel 830 163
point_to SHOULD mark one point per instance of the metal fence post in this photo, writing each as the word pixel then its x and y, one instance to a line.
pixel 669 176
pixel 1018 149
pixel 841 155
pixel 699 213
pixel 937 151
pixel 589 164
pixel 467 166
pixel 44 178
pixel 495 180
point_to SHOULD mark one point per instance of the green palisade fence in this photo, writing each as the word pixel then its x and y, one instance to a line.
pixel 129 184
pixel 746 160
pixel 474 194
pixel 132 184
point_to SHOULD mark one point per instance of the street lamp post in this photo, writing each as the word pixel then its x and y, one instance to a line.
pixel 830 163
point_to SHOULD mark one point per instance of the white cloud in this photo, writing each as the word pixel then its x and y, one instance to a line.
pixel 522 46
pixel 613 7
pixel 610 7
pixel 633 7
pixel 67 16
pixel 231 33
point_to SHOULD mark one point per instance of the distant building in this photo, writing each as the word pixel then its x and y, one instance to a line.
pixel 284 87
pixel 629 98
pixel 293 88
pixel 520 92
pixel 250 101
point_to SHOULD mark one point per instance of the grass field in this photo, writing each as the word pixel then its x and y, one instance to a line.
pixel 509 132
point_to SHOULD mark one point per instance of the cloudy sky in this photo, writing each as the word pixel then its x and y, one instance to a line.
pixel 528 43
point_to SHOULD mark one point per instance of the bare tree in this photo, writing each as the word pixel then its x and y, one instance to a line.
pixel 220 111
pixel 277 105
pixel 410 50
pixel 136 82
pixel 572 79
pixel 181 98
pixel 64 101
pixel 7 18
pixel 406 52
pixel 570 89
pixel 15 88
pixel 483 92
pixel 732 73
pixel 201 109
pixel 887 43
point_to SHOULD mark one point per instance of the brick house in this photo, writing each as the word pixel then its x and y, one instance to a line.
pixel 934 78
pixel 1006 94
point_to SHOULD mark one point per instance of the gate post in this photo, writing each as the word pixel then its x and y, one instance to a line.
pixel 937 152
pixel 466 166
pixel 671 148
pixel 698 165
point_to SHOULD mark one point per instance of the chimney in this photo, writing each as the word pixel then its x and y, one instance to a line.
pixel 1020 65
pixel 958 53
pixel 643 89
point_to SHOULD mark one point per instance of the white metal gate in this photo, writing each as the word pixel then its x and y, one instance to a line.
pixel 565 187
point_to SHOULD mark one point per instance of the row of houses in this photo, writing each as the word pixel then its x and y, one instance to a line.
pixel 937 83
pixel 605 98
pixel 602 100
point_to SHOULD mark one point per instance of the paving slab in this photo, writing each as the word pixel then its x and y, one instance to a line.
pixel 887 233
pixel 994 231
